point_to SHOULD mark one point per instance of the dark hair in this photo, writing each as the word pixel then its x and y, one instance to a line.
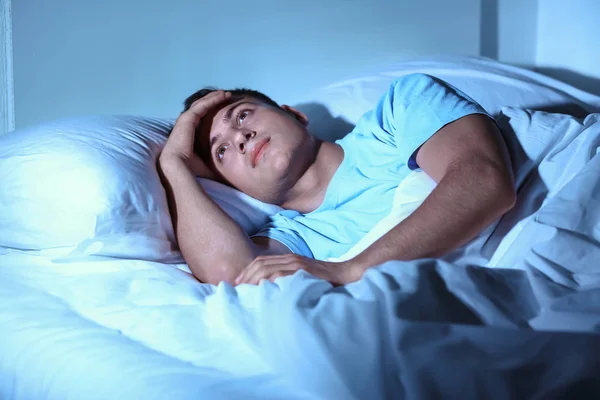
pixel 236 94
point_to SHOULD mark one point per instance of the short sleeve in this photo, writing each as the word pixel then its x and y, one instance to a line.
pixel 415 108
pixel 281 227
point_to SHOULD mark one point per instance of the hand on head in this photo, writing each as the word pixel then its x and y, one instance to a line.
pixel 180 145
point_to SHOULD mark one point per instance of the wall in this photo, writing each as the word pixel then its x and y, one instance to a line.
pixel 517 31
pixel 75 57
pixel 567 49
pixel 509 30
pixel 7 115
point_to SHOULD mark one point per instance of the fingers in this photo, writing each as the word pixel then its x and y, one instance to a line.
pixel 264 266
pixel 270 270
pixel 182 137
pixel 191 118
pixel 280 274
pixel 200 107
pixel 252 268
pixel 273 267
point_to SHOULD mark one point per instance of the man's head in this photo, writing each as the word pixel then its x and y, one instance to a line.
pixel 253 144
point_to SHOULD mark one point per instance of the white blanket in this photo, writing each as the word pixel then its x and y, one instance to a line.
pixel 105 328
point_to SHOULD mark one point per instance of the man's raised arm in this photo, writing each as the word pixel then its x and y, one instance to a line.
pixel 214 246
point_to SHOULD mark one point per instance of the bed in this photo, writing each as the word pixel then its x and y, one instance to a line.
pixel 96 302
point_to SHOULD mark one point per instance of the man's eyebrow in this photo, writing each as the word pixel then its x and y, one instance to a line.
pixel 214 140
pixel 227 118
pixel 229 112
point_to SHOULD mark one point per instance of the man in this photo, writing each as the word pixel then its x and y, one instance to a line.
pixel 332 193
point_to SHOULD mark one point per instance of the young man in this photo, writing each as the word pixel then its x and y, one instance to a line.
pixel 332 193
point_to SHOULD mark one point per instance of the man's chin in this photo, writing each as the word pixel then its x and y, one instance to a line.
pixel 278 164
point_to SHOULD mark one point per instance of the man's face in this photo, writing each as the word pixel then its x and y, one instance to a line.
pixel 259 149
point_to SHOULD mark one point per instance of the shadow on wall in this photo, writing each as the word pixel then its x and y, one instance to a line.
pixel 324 125
pixel 488 29
pixel 580 81
pixel 490 43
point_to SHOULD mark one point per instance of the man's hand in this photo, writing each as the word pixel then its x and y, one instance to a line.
pixel 273 267
pixel 213 245
pixel 180 145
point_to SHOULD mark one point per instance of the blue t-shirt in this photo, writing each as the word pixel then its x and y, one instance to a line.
pixel 378 154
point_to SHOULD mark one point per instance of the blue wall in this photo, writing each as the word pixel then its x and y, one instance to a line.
pixel 74 57
pixel 567 49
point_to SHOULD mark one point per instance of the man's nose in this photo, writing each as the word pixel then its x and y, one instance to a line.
pixel 242 139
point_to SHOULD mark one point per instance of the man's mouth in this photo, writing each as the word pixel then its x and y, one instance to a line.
pixel 258 150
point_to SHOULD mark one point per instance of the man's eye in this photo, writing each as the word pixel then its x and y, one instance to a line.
pixel 242 116
pixel 221 152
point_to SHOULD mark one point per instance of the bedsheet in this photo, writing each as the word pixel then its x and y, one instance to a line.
pixel 526 326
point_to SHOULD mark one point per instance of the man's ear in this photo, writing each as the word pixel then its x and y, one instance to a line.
pixel 300 116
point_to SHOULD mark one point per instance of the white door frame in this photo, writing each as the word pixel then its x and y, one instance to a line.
pixel 7 93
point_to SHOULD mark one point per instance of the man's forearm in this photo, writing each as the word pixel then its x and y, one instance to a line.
pixel 460 207
pixel 214 246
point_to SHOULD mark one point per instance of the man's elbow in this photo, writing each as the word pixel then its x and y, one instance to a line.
pixel 224 272
pixel 223 266
pixel 503 193
pixel 509 198
pixel 215 279
pixel 496 184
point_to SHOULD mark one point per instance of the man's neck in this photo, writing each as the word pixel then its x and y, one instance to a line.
pixel 309 191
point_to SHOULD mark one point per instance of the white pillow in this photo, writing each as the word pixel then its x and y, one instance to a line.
pixel 89 186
